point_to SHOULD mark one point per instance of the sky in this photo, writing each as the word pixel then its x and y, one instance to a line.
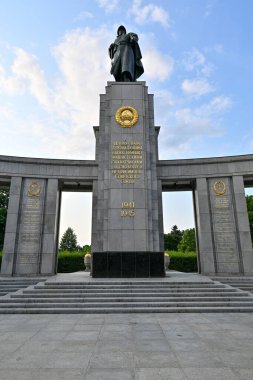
pixel 54 63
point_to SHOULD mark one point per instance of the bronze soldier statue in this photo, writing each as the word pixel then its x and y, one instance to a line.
pixel 126 57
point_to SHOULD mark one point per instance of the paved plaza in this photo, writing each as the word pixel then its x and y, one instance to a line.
pixel 130 346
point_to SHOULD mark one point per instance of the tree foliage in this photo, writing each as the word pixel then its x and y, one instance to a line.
pixel 188 241
pixel 4 200
pixel 69 241
pixel 87 249
pixel 249 201
pixel 172 239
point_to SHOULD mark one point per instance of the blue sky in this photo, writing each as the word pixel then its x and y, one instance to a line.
pixel 198 61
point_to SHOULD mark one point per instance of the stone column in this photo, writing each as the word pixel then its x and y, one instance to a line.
pixel 204 230
pixel 160 216
pixel 223 231
pixel 243 228
pixel 11 227
pixel 226 247
pixel 32 225
pixel 128 229
pixel 50 228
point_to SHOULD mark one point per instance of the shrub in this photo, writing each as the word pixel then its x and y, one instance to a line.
pixel 70 261
pixel 188 241
pixel 183 261
pixel 172 239
pixel 73 261
pixel 67 261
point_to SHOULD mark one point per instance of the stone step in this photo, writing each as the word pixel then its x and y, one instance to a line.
pixel 121 310
pixel 42 290
pixel 241 285
pixel 126 282
pixel 126 304
pixel 141 295
pixel 9 282
pixel 3 293
pixel 11 286
pixel 129 286
pixel 127 296
pixel 232 278
pixel 125 299
pixel 237 281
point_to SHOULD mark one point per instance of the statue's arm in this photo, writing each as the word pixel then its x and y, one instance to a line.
pixel 112 49
pixel 133 37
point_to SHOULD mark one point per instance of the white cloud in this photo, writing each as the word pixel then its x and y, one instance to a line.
pixel 217 48
pixel 216 105
pixel 84 16
pixel 26 68
pixel 7 112
pixel 165 99
pixel 11 84
pixel 108 5
pixel 68 107
pixel 196 61
pixel 188 126
pixel 197 87
pixel 156 65
pixel 149 13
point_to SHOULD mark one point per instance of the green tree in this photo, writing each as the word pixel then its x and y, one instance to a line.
pixel 188 241
pixel 69 241
pixel 87 249
pixel 172 239
pixel 4 199
pixel 249 201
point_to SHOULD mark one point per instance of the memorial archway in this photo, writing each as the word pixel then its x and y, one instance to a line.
pixel 249 194
pixel 179 204
pixel 76 213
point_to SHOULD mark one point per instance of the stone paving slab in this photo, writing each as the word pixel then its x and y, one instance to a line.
pixel 130 346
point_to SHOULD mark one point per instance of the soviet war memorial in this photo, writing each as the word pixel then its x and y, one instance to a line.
pixel 127 179
pixel 124 314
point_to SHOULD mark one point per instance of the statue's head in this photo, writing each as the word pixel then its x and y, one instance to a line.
pixel 121 30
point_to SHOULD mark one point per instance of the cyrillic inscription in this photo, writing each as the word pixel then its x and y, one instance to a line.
pixel 224 227
pixel 127 160
pixel 30 229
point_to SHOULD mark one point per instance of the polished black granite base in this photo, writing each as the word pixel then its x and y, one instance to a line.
pixel 127 264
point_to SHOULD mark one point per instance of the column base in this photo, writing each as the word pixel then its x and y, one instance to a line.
pixel 127 264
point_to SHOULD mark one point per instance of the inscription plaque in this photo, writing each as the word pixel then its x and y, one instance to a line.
pixel 30 226
pixel 127 161
pixel 224 225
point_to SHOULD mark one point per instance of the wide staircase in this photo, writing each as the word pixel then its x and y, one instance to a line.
pixel 128 296
pixel 8 286
pixel 243 283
